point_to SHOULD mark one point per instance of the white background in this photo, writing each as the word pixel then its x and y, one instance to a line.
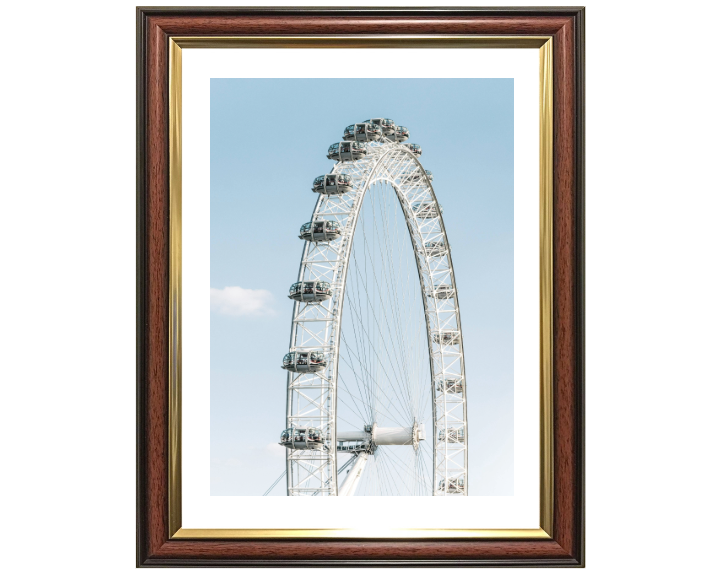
pixel 68 288
pixel 200 509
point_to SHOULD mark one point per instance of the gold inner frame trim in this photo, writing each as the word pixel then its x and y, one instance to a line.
pixel 545 48
pixel 374 534
pixel 175 292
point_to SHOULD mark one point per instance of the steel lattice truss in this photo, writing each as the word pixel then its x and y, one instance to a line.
pixel 312 397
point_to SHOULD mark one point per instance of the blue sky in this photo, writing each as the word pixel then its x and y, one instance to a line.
pixel 269 138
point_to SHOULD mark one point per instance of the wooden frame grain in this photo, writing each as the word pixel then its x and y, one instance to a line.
pixel 155 26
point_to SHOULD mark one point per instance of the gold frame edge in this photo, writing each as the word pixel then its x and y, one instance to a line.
pixel 546 288
pixel 175 292
pixel 544 44
pixel 370 533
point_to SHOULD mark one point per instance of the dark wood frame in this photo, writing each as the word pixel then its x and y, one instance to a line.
pixel 154 26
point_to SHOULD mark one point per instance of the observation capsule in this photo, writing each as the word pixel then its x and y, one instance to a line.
pixel 320 231
pixel 363 132
pixel 401 134
pixel 446 337
pixel 426 209
pixel 443 292
pixel 453 435
pixel 387 125
pixel 332 184
pixel 455 485
pixel 347 151
pixel 415 149
pixel 302 438
pixel 450 385
pixel 310 291
pixel 302 362
pixel 436 248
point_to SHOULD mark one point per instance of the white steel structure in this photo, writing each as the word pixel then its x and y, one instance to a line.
pixel 400 343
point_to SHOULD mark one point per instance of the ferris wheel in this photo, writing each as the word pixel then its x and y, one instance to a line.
pixel 376 390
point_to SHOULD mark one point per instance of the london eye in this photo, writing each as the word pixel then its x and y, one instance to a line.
pixel 376 390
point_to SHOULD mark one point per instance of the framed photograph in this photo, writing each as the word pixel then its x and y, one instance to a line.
pixel 349 177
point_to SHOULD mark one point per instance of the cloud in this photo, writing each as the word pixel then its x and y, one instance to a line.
pixel 236 301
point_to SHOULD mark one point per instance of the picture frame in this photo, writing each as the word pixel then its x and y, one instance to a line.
pixel 162 35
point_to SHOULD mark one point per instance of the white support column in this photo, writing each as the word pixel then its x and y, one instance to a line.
pixel 353 476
